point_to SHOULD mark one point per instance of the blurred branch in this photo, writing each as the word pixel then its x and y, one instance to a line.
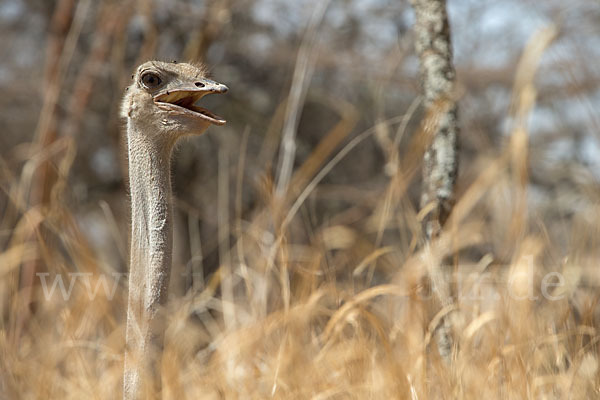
pixel 524 98
pixel 65 30
pixel 216 16
pixel 107 23
pixel 148 48
pixel 305 63
pixel 349 117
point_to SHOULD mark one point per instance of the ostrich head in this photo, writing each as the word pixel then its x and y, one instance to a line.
pixel 162 100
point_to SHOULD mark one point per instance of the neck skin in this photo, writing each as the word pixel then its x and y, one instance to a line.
pixel 150 258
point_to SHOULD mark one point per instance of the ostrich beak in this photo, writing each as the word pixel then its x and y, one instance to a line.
pixel 182 98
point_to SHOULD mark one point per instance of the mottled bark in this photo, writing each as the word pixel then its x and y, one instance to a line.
pixel 440 163
pixel 433 45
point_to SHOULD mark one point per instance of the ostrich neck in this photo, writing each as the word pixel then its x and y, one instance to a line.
pixel 150 256
pixel 151 229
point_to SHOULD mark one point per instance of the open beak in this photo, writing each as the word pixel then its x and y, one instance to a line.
pixel 182 99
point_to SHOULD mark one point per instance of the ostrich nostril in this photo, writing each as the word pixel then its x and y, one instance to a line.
pixel 199 84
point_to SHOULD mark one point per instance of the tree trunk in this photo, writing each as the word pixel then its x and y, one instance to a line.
pixel 440 163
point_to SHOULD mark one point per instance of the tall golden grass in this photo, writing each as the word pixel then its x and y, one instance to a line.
pixel 342 310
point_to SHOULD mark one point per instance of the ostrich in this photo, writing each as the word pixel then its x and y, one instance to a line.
pixel 160 108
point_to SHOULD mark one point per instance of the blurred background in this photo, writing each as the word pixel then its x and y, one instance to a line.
pixel 64 65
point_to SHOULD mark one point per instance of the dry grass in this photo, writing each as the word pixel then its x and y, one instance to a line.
pixel 334 311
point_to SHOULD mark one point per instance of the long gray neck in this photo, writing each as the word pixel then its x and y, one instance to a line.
pixel 150 259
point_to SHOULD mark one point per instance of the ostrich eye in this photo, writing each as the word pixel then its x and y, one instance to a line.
pixel 151 80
